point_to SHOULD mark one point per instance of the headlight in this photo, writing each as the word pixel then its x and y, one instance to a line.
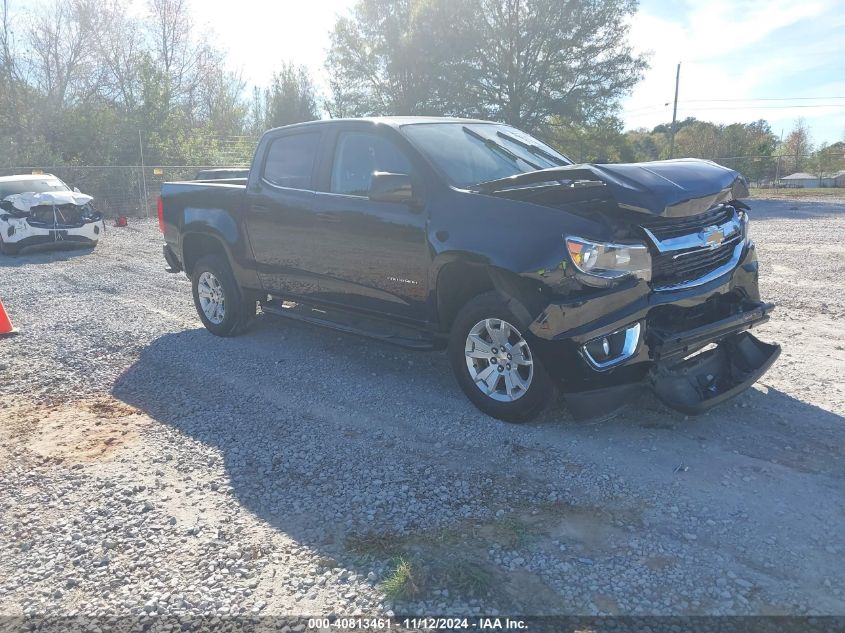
pixel 744 222
pixel 602 263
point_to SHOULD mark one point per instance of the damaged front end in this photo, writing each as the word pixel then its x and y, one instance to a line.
pixel 708 378
pixel 666 303
pixel 693 358
pixel 56 219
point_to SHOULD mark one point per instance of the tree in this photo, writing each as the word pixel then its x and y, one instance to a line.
pixel 828 160
pixel 797 146
pixel 645 145
pixel 391 56
pixel 746 147
pixel 698 139
pixel 186 60
pixel 120 47
pixel 257 112
pixel 758 146
pixel 291 97
pixel 600 142
pixel 536 59
pixel 222 106
pixel 519 61
pixel 61 62
pixel 10 82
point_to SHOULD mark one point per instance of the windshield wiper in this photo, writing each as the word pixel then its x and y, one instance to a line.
pixel 489 142
pixel 537 151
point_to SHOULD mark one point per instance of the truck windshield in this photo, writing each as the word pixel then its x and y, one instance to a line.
pixel 470 153
pixel 27 185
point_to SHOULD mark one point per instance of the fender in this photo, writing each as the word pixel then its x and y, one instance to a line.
pixel 219 225
pixel 528 237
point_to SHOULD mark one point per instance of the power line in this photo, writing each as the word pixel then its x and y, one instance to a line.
pixel 771 107
pixel 762 99
pixel 657 107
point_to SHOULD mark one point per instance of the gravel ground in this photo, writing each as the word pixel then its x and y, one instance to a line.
pixel 147 467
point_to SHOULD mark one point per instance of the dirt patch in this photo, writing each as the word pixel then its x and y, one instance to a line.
pixel 75 432
pixel 586 527
pixel 481 559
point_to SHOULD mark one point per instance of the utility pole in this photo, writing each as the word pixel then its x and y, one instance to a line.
pixel 143 176
pixel 674 114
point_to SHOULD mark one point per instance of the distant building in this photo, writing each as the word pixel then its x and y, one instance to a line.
pixel 803 180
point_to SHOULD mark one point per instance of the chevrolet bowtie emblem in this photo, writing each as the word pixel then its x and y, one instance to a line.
pixel 712 236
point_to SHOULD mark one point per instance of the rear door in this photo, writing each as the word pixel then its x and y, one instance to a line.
pixel 373 256
pixel 280 212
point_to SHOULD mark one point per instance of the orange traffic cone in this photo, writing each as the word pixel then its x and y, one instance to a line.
pixel 6 328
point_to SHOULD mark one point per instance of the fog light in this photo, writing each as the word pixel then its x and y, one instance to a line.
pixel 612 349
pixel 11 231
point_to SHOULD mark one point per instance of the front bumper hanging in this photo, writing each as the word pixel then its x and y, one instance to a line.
pixel 699 383
pixel 685 378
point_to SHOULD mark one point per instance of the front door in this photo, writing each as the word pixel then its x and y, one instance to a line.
pixel 373 255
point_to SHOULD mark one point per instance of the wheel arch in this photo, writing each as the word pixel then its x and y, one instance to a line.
pixel 463 278
pixel 196 245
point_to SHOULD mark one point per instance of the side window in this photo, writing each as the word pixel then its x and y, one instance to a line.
pixel 290 160
pixel 358 155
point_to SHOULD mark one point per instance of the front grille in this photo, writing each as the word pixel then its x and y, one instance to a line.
pixel 668 269
pixel 66 216
pixel 689 259
pixel 667 228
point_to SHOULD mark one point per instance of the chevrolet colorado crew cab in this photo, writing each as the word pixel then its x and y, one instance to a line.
pixel 538 275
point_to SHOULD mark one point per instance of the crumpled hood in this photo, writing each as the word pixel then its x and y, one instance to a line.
pixel 669 188
pixel 25 201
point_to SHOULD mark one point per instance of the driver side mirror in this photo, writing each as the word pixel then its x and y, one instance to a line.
pixel 388 187
pixel 76 189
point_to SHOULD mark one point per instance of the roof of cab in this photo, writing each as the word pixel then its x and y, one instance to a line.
pixel 392 121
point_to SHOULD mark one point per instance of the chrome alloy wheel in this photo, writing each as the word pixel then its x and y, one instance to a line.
pixel 499 360
pixel 212 299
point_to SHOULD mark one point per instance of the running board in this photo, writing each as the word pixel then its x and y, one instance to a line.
pixel 381 330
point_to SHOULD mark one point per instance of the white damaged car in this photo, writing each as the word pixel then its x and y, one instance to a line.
pixel 42 212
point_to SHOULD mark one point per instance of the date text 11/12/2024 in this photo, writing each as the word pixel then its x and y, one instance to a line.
pixel 414 623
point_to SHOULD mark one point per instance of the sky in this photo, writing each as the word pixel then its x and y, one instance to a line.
pixel 741 60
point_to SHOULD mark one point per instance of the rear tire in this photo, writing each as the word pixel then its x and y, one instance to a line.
pixel 491 356
pixel 220 303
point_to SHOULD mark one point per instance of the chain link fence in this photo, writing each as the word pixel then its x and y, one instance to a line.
pixel 131 190
pixel 122 189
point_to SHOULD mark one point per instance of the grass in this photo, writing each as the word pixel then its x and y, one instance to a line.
pixel 464 576
pixel 798 194
pixel 400 584
pixel 510 532
pixel 374 545
pixel 439 559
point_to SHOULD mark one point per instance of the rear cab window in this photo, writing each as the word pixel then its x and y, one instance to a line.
pixel 289 161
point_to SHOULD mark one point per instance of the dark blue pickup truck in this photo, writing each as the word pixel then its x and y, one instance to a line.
pixel 538 275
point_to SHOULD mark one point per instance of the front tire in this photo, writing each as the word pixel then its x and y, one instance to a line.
pixel 491 356
pixel 219 301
